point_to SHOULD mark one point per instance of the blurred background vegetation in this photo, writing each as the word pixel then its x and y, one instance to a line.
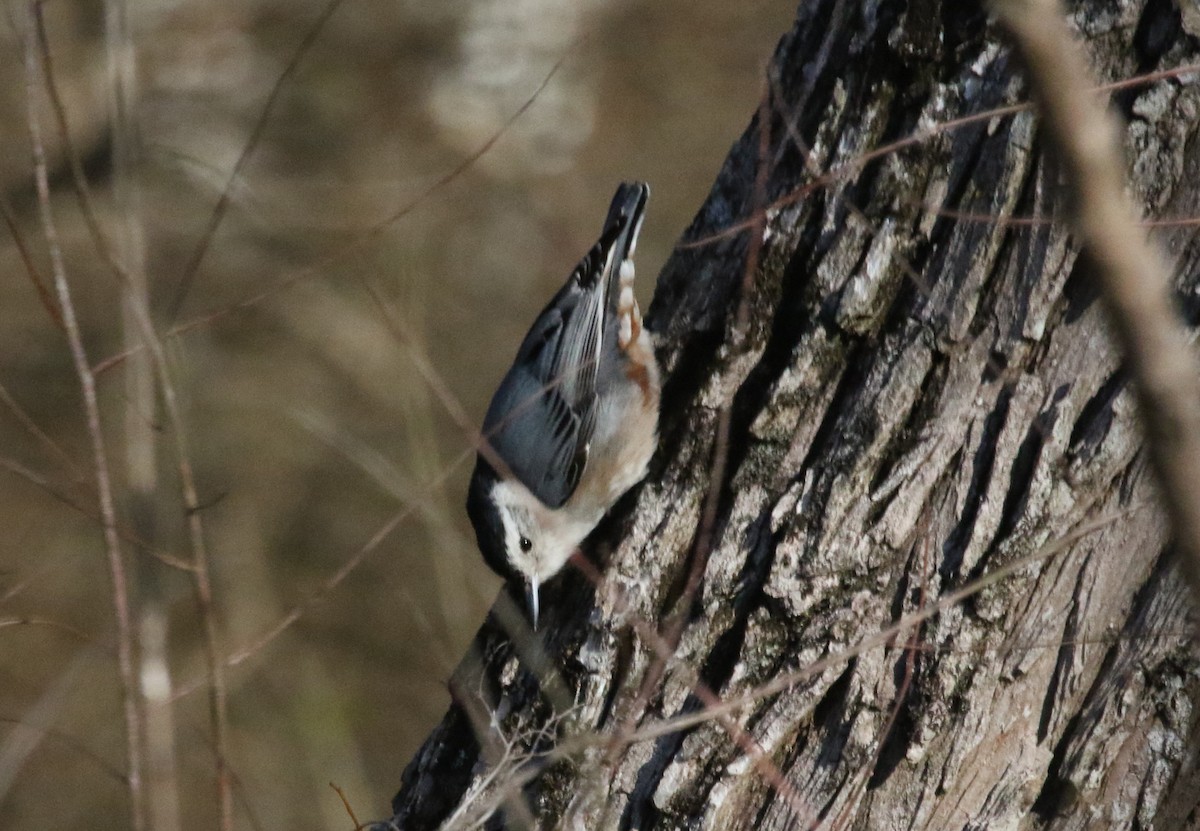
pixel 309 423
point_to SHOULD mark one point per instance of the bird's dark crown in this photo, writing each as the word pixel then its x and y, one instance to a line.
pixel 485 518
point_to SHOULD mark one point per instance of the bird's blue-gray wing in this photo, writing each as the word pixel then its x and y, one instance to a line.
pixel 542 417
pixel 539 433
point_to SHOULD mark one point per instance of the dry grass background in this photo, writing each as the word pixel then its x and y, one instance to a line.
pixel 309 425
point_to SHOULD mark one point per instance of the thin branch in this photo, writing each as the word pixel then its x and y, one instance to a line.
pixel 852 166
pixel 834 174
pixel 71 742
pixel 369 235
pixel 256 133
pixel 66 628
pixel 38 433
pixel 332 582
pixel 346 805
pixel 140 315
pixel 116 564
pixel 1042 221
pixel 1133 276
pixel 141 434
pixel 71 502
pixel 31 271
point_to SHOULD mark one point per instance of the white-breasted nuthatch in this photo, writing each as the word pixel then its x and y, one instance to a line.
pixel 574 423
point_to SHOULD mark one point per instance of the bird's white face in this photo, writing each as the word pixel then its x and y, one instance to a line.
pixel 538 540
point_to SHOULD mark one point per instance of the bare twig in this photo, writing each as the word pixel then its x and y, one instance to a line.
pixel 77 747
pixel 346 805
pixel 80 506
pixel 1134 278
pixel 510 768
pixel 1041 221
pixel 141 434
pixel 38 433
pixel 850 167
pixel 134 727
pixel 140 316
pixel 370 234
pixel 78 634
pixel 218 211
pixel 39 284
pixel 332 582
pixel 834 174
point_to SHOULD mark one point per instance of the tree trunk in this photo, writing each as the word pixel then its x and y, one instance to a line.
pixel 907 394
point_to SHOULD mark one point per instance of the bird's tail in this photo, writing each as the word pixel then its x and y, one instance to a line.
pixel 621 228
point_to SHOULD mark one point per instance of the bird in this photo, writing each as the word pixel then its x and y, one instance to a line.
pixel 574 422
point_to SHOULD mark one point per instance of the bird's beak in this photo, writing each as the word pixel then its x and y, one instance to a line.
pixel 531 596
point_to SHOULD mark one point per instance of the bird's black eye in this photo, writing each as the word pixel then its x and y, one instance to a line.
pixel 526 543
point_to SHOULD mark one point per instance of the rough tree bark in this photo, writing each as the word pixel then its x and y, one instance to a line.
pixel 917 398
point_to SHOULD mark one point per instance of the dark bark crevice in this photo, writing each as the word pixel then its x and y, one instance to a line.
pixel 1062 666
pixel 1021 476
pixel 1158 29
pixel 981 473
